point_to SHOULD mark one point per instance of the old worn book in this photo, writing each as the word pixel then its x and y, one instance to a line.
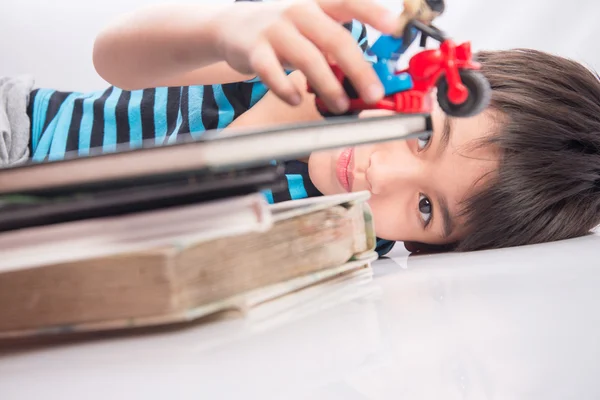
pixel 178 264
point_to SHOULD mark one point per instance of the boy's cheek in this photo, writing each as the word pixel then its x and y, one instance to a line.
pixel 321 171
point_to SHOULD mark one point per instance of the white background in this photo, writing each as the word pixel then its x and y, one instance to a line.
pixel 52 40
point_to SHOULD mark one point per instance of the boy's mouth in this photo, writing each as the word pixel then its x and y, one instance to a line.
pixel 343 163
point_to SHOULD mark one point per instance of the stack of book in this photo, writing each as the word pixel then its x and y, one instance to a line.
pixel 160 235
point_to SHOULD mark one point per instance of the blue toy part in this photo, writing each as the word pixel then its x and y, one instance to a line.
pixel 392 83
pixel 388 49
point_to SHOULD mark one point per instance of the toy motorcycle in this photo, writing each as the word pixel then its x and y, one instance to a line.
pixel 462 91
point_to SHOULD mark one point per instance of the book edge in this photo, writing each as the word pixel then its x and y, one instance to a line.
pixel 242 302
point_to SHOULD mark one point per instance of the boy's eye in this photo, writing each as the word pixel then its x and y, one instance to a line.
pixel 423 141
pixel 425 208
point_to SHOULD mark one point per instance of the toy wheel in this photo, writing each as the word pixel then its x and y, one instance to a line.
pixel 477 100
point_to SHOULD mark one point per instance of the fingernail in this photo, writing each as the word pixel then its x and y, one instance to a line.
pixel 295 99
pixel 342 103
pixel 374 93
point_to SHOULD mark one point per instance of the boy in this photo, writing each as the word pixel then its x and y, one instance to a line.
pixel 527 170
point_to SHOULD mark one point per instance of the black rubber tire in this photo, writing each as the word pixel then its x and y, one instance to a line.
pixel 479 95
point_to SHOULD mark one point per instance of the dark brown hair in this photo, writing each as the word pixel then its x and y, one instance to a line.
pixel 547 186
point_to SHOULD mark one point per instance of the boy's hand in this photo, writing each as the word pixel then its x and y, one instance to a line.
pixel 265 38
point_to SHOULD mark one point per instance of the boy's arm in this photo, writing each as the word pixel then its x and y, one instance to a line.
pixel 189 44
pixel 163 45
pixel 272 111
pixel 214 74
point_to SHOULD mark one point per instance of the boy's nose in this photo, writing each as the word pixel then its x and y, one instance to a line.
pixel 387 172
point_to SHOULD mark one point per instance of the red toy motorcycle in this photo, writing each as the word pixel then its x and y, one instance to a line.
pixel 462 91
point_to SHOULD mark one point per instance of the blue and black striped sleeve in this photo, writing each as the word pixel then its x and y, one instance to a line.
pixel 359 33
pixel 64 122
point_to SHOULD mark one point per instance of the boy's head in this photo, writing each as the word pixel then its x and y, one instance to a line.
pixel 526 170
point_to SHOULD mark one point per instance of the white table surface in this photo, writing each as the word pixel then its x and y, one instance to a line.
pixel 511 324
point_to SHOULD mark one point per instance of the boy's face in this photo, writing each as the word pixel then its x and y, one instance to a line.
pixel 416 185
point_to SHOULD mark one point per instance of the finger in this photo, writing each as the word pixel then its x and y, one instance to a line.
pixel 295 49
pixel 333 39
pixel 366 11
pixel 266 65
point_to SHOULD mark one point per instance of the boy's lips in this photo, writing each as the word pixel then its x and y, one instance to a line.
pixel 343 163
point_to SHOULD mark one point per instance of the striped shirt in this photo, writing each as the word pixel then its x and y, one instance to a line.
pixel 76 122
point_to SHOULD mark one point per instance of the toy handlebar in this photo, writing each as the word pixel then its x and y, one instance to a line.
pixel 428 31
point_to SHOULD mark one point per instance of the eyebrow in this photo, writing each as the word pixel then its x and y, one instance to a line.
pixel 446 217
pixel 446 135
pixel 443 203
